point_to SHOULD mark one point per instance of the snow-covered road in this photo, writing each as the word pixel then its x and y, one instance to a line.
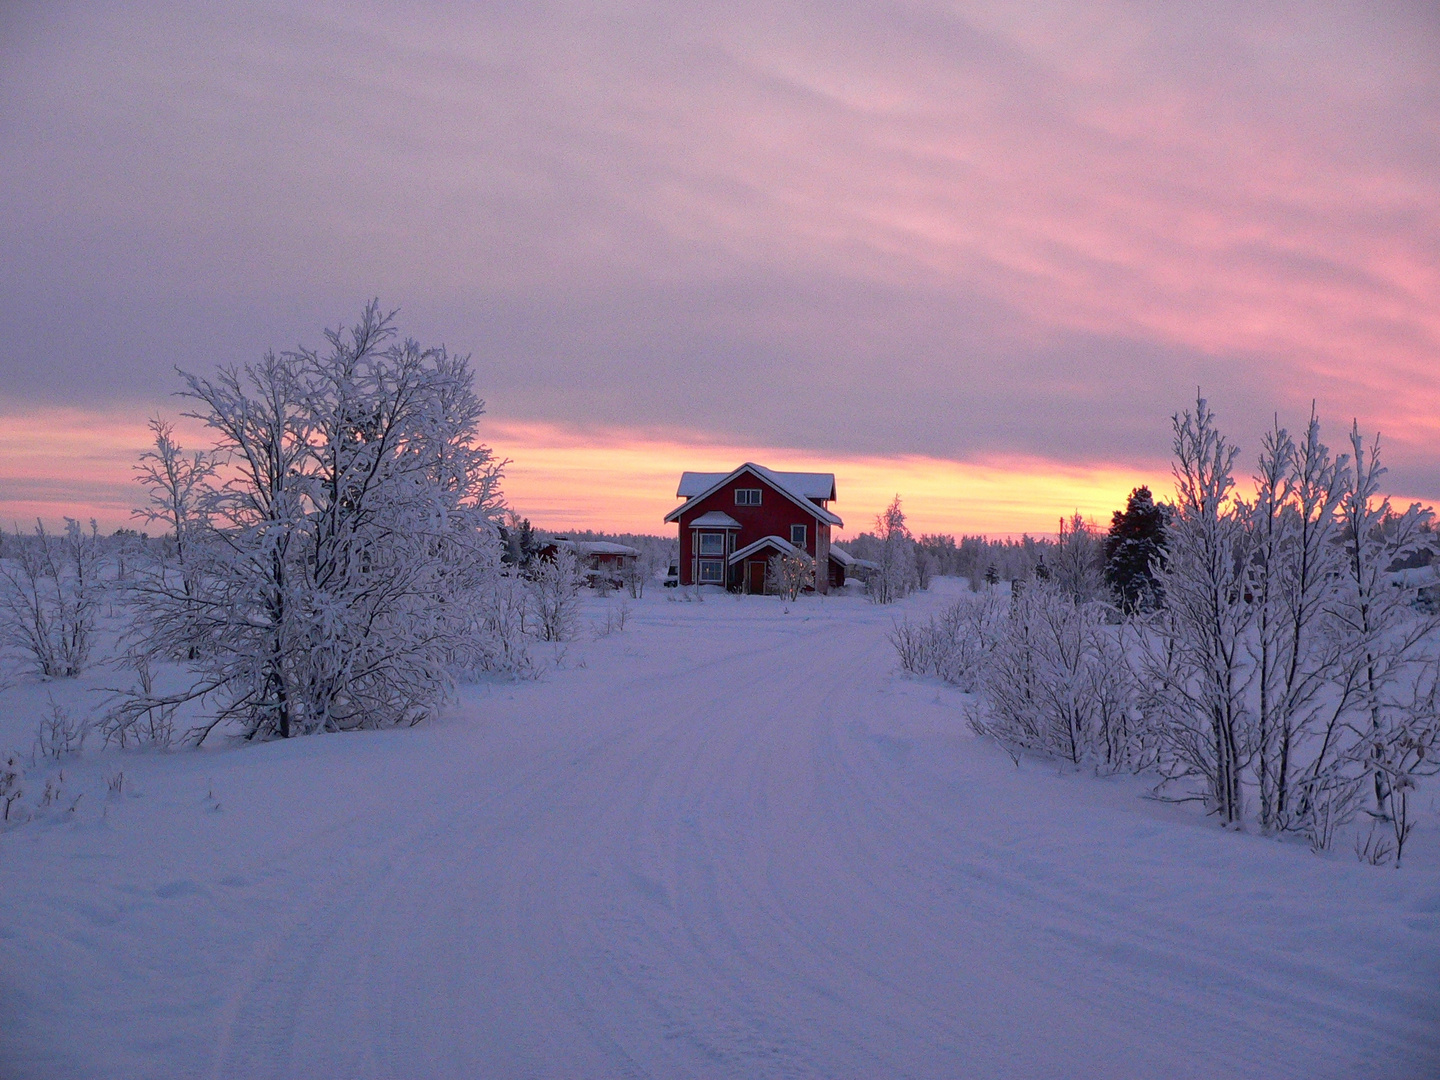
pixel 726 842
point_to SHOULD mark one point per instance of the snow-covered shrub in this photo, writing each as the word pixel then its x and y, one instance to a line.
pixel 335 566
pixel 126 722
pixel 12 787
pixel 788 574
pixel 616 616
pixel 1344 657
pixel 1288 662
pixel 955 644
pixel 1056 682
pixel 638 572
pixel 175 484
pixel 555 586
pixel 499 643
pixel 60 733
pixel 49 591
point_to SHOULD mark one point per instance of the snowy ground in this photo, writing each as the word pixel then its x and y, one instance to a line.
pixel 725 842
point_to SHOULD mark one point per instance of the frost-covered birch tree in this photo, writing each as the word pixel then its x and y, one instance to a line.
pixel 1078 566
pixel 1293 571
pixel 174 483
pixel 1381 643
pixel 1197 665
pixel 894 576
pixel 337 558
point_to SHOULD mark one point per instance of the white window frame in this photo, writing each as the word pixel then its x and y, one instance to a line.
pixel 751 496
pixel 803 536
pixel 717 566
pixel 701 548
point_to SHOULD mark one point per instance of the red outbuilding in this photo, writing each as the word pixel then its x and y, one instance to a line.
pixel 732 523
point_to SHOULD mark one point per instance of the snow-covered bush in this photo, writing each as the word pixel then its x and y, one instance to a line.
pixel 1056 682
pixel 955 644
pixel 640 571
pixel 60 733
pixel 127 721
pixel 50 588
pixel 12 787
pixel 1289 672
pixel 788 574
pixel 499 643
pixel 555 586
pixel 616 616
pixel 335 564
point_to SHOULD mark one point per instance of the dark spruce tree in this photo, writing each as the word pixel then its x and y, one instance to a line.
pixel 1135 542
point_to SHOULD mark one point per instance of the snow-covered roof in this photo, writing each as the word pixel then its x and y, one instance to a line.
pixel 844 558
pixel 807 485
pixel 694 483
pixel 801 488
pixel 765 541
pixel 715 519
pixel 597 547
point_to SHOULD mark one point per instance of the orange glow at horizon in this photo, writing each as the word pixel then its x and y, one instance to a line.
pixel 69 462
pixel 617 481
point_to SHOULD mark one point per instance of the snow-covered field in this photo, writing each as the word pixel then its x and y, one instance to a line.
pixel 727 841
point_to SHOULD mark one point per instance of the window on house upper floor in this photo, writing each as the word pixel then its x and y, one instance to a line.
pixel 712 543
pixel 797 535
pixel 747 496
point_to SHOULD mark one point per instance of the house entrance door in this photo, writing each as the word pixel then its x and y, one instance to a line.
pixel 755 576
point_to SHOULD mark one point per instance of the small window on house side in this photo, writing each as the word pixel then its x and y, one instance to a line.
pixel 797 535
pixel 712 543
pixel 747 496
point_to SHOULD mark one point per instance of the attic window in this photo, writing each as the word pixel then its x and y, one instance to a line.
pixel 797 535
pixel 747 496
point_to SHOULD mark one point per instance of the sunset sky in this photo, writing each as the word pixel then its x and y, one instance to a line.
pixel 974 254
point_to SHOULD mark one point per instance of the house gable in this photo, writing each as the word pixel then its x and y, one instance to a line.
pixel 769 480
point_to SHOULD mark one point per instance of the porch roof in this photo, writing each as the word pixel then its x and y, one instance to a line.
pixel 715 519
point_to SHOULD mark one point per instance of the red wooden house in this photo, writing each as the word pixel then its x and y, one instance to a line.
pixel 732 523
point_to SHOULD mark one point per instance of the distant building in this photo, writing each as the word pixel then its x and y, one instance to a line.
pixel 599 560
pixel 732 523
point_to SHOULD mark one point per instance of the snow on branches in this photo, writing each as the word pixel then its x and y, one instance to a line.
pixel 1281 668
pixel 330 573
